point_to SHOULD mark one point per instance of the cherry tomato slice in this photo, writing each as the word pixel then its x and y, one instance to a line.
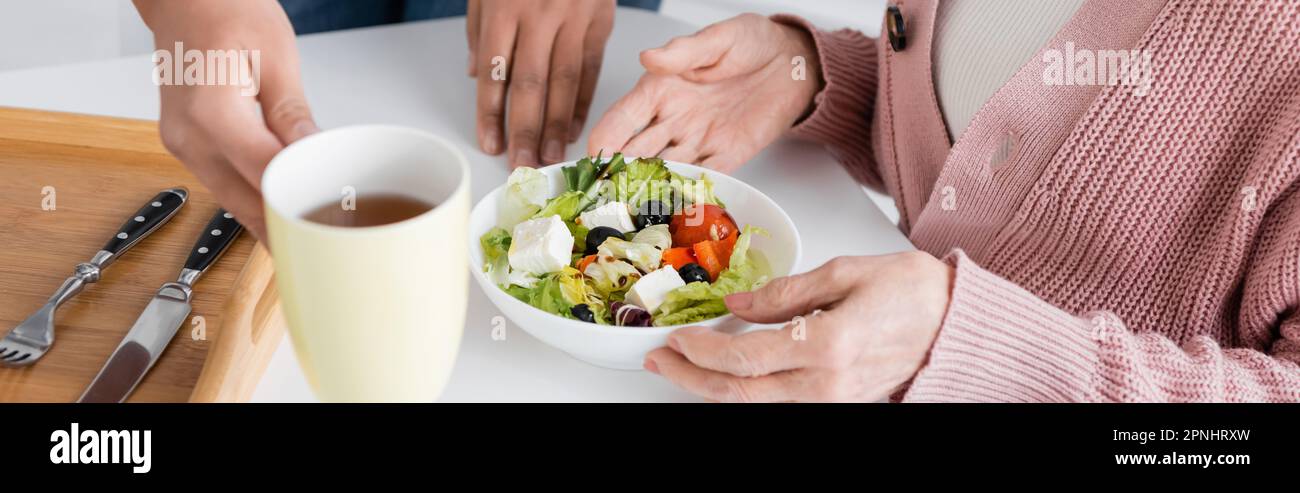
pixel 701 223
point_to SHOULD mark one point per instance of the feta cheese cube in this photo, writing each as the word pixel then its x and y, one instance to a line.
pixel 541 246
pixel 612 214
pixel 650 290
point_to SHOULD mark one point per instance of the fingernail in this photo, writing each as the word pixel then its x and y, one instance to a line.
pixel 524 157
pixel 554 151
pixel 651 366
pixel 740 301
pixel 575 129
pixel 491 142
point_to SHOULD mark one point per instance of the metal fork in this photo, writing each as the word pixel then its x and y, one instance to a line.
pixel 32 338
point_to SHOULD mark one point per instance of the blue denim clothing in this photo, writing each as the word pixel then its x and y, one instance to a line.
pixel 313 16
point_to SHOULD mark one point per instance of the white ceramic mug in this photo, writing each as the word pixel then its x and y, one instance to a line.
pixel 375 313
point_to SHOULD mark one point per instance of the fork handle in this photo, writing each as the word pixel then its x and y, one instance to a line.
pixel 144 222
pixel 70 287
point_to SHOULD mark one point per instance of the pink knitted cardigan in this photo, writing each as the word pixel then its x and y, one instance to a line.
pixel 1108 245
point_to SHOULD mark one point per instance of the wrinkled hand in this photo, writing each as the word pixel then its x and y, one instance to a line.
pixel 717 97
pixel 878 318
pixel 552 52
pixel 217 130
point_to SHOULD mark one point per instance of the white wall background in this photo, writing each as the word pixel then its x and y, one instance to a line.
pixel 37 33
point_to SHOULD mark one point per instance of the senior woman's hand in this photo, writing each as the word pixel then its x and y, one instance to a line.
pixel 876 319
pixel 717 97
pixel 550 55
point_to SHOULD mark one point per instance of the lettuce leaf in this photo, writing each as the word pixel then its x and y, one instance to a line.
pixel 496 262
pixel 546 295
pixel 575 289
pixel 742 265
pixel 591 179
pixel 700 301
pixel 525 194
pixel 556 292
pixel 641 180
pixel 579 233
pixel 695 192
pixel 580 176
pixel 495 243
pixel 567 205
pixel 704 310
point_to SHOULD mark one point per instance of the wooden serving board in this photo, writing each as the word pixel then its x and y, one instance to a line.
pixel 99 171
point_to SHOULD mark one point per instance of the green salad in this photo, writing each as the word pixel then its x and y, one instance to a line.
pixel 627 243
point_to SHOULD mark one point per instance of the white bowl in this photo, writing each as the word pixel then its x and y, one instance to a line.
pixel 624 348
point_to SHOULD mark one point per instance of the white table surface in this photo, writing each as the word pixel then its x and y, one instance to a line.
pixel 413 74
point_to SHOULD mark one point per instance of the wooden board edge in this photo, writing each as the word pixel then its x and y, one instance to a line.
pixel 109 132
pixel 251 330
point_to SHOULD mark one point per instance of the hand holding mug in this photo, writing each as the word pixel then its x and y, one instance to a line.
pixel 223 136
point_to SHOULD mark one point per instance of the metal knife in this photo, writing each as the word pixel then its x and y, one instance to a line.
pixel 165 314
pixel 32 338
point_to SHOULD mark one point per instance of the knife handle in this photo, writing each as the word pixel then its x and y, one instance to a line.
pixel 221 231
pixel 145 221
